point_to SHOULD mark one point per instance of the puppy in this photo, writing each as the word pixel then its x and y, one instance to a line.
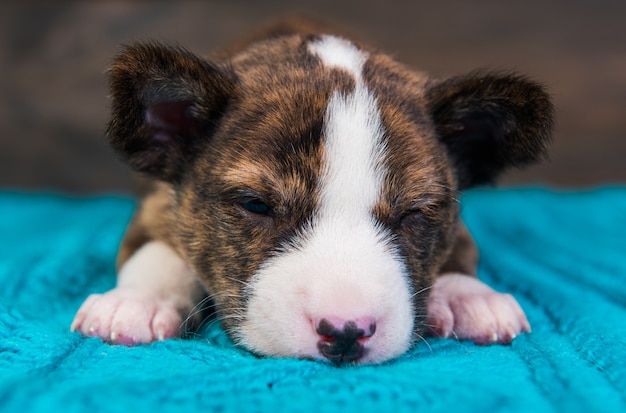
pixel 306 189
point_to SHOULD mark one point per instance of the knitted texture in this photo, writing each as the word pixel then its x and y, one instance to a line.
pixel 562 254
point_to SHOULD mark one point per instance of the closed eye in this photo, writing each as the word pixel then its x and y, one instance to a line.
pixel 257 206
pixel 412 217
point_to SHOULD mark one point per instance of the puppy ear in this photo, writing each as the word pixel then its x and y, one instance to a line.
pixel 489 122
pixel 166 102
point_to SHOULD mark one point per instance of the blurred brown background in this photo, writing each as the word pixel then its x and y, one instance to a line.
pixel 53 105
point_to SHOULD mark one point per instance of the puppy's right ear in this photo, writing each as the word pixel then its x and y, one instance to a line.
pixel 166 103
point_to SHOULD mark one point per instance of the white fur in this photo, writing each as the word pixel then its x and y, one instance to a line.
pixel 158 269
pixel 354 151
pixel 343 266
pixel 335 52
pixel 464 307
pixel 156 289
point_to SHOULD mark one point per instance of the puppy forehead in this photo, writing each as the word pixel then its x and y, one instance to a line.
pixel 292 86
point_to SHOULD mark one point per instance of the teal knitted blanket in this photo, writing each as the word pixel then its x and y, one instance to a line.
pixel 562 254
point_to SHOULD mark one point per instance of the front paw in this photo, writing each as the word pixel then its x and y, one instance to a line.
pixel 127 317
pixel 463 307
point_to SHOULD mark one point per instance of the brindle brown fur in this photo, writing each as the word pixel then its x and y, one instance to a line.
pixel 250 126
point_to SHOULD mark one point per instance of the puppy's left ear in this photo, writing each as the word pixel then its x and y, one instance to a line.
pixel 489 122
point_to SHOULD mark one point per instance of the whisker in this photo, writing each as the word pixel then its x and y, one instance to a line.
pixel 420 337
pixel 207 303
pixel 222 314
pixel 421 291
pixel 245 283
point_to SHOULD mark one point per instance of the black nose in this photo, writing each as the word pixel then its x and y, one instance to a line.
pixel 342 344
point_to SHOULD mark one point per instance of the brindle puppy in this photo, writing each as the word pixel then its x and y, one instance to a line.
pixel 308 185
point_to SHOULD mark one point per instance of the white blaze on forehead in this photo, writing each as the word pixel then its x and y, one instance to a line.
pixel 335 52
pixel 344 265
pixel 353 133
pixel 353 153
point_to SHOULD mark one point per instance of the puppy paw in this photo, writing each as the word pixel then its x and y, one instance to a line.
pixel 127 317
pixel 465 308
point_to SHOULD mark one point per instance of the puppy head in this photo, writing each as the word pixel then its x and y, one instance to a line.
pixel 315 182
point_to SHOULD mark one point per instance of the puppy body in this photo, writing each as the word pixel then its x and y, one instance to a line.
pixel 308 186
